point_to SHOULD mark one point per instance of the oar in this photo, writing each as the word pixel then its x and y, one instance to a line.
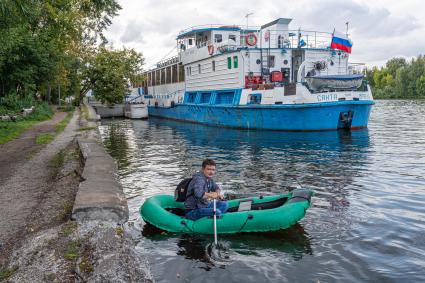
pixel 213 251
pixel 215 224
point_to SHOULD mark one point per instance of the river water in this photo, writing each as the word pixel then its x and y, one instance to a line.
pixel 366 223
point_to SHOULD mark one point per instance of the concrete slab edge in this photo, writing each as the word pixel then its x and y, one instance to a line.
pixel 100 195
pixel 92 115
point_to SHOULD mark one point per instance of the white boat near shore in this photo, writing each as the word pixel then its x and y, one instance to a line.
pixel 136 111
pixel 135 107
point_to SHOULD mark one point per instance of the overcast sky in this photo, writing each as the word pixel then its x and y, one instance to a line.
pixel 379 29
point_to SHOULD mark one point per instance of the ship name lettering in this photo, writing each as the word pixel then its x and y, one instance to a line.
pixel 327 97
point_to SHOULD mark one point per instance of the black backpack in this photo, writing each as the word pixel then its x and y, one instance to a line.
pixel 181 191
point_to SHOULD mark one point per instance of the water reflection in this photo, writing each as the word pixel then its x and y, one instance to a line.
pixel 294 242
pixel 249 162
pixel 155 155
pixel 365 224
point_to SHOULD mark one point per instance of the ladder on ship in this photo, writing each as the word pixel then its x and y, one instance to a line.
pixel 265 57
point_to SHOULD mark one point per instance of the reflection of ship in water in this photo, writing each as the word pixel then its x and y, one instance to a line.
pixel 294 242
pixel 116 139
pixel 250 162
pixel 273 160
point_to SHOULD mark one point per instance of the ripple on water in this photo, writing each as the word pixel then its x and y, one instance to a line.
pixel 365 224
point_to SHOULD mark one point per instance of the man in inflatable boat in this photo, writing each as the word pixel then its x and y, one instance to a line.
pixel 201 190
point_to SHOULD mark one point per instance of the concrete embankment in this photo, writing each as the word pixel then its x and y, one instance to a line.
pixel 104 111
pixel 101 208
pixel 65 180
pixel 100 195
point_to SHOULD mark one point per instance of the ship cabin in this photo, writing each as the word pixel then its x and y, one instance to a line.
pixel 232 65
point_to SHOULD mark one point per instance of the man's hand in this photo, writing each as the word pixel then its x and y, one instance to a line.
pixel 219 195
pixel 213 195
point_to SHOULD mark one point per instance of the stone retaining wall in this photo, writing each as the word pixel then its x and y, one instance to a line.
pixel 100 195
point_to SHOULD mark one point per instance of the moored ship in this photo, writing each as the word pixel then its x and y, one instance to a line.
pixel 267 78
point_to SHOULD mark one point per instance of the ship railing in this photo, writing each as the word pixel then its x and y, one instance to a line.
pixel 356 68
pixel 280 38
pixel 276 39
pixel 293 39
pixel 168 61
pixel 206 26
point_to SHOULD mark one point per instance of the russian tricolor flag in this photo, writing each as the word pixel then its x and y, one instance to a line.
pixel 341 42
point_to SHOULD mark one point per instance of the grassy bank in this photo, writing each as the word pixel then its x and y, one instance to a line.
pixel 10 130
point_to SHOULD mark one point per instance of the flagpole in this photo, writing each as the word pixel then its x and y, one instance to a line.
pixel 346 62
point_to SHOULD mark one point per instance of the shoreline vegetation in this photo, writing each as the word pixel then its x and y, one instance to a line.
pixel 55 52
pixel 398 79
pixel 10 130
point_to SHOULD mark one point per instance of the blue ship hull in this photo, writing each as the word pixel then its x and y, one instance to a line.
pixel 295 117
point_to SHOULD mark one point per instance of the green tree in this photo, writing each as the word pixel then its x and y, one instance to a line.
pixel 420 86
pixel 402 78
pixel 394 64
pixel 45 43
pixel 110 72
pixel 398 79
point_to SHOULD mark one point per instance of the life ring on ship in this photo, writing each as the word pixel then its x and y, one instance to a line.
pixel 211 49
pixel 251 39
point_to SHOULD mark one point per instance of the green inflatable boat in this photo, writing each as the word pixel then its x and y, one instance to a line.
pixel 257 214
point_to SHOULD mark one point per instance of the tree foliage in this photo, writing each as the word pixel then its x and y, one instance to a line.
pixel 399 79
pixel 45 44
pixel 110 73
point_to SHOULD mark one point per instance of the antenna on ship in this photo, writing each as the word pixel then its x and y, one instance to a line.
pixel 247 16
pixel 346 31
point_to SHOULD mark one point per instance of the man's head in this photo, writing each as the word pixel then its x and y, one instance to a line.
pixel 208 167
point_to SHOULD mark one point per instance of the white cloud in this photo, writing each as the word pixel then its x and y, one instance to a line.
pixel 380 29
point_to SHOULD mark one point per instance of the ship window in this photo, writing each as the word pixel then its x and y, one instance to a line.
pixel 199 68
pixel 254 98
pixel 205 97
pixel 158 77
pixel 235 61
pixel 181 73
pixel 191 96
pixel 224 97
pixel 271 61
pixel 174 72
pixel 168 75
pixel 218 38
pixel 213 66
pixel 232 37
pixel 190 41
pixel 163 76
pixel 280 41
pixel 229 62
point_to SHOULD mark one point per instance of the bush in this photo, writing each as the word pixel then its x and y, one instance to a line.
pixel 12 104
pixel 42 112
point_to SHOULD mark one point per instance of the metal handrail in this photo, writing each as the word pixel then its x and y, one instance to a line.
pixel 208 26
pixel 134 98
pixel 294 39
